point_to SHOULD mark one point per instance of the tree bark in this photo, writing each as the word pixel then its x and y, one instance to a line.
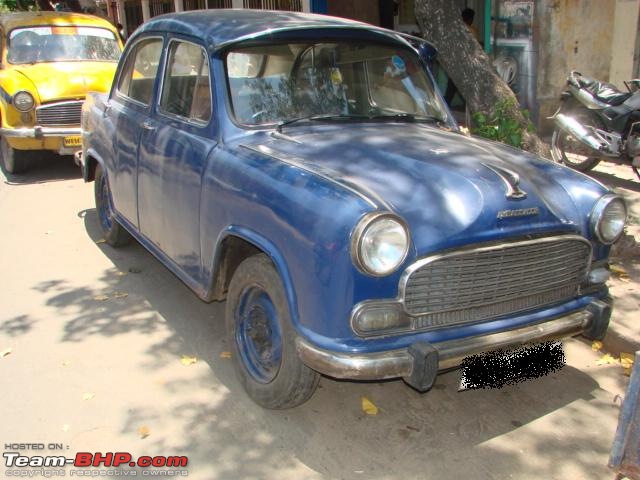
pixel 469 67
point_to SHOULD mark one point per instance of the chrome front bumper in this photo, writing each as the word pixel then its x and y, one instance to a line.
pixel 40 132
pixel 592 320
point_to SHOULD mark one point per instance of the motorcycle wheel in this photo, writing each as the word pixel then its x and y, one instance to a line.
pixel 567 149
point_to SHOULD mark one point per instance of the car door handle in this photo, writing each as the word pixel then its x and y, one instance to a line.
pixel 147 125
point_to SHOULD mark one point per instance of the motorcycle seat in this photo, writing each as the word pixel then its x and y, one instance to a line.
pixel 605 92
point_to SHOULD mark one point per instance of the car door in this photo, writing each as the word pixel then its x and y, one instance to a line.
pixel 129 111
pixel 172 156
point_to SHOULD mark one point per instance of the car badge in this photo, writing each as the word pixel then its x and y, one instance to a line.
pixel 520 212
pixel 511 180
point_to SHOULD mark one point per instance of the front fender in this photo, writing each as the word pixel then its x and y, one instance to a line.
pixel 265 245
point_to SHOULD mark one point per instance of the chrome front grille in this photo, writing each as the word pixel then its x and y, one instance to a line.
pixel 60 114
pixel 483 283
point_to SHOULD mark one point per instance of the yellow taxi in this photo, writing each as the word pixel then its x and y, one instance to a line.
pixel 49 61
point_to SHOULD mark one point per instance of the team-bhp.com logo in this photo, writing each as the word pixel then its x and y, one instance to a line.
pixel 86 459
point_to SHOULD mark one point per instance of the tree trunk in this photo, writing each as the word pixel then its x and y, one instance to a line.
pixel 469 67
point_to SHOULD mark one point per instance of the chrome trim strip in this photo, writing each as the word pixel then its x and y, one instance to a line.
pixel 299 163
pixel 59 104
pixel 39 132
pixel 282 136
pixel 398 363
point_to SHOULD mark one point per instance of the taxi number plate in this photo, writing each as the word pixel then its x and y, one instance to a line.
pixel 75 141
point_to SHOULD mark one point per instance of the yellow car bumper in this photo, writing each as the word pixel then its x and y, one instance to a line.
pixel 65 141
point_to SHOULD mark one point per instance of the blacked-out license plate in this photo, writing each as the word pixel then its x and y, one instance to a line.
pixel 504 367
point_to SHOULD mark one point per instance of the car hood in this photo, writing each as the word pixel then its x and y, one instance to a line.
pixel 450 189
pixel 67 80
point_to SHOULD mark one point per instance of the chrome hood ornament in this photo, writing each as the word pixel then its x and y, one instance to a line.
pixel 512 181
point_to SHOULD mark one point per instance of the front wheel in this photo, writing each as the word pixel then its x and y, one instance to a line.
pixel 262 339
pixel 114 233
pixel 15 161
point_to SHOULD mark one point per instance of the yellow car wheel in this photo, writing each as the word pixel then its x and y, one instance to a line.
pixel 15 161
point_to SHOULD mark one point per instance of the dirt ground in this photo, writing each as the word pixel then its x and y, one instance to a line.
pixel 104 350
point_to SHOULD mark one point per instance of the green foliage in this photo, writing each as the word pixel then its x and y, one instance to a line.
pixel 16 5
pixel 501 125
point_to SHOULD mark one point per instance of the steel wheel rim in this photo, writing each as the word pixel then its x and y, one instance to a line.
pixel 258 334
pixel 104 208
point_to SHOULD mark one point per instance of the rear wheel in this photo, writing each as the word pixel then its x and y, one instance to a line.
pixel 15 161
pixel 567 149
pixel 262 339
pixel 114 233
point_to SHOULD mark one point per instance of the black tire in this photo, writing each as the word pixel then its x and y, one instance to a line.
pixel 114 233
pixel 563 142
pixel 266 363
pixel 15 161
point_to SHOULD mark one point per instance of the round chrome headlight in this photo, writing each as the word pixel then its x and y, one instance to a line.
pixel 608 218
pixel 23 101
pixel 380 243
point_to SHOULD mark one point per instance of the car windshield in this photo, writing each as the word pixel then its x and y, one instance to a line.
pixel 62 44
pixel 278 84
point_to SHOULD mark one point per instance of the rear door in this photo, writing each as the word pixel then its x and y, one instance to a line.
pixel 129 112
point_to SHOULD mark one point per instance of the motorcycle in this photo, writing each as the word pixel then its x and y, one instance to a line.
pixel 596 120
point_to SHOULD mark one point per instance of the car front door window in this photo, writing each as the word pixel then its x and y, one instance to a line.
pixel 138 76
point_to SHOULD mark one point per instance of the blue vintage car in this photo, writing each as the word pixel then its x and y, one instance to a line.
pixel 306 170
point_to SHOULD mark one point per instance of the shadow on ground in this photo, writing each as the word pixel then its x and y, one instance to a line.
pixel 612 181
pixel 441 434
pixel 45 168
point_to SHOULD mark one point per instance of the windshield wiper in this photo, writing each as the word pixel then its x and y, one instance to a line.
pixel 407 117
pixel 397 117
pixel 313 118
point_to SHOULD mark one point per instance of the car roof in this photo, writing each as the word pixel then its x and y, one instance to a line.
pixel 221 27
pixel 10 21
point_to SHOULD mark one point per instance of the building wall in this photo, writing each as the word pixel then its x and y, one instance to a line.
pixel 594 37
pixel 362 10
pixel 624 43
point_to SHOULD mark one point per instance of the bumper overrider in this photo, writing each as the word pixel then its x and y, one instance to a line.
pixel 419 364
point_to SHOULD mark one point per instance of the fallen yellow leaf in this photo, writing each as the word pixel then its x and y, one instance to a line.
pixel 101 298
pixel 607 359
pixel 88 396
pixel 6 352
pixel 225 354
pixel 626 360
pixel 618 270
pixel 187 360
pixel 121 274
pixel 596 346
pixel 143 431
pixel 120 295
pixel 369 407
pixel 102 240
